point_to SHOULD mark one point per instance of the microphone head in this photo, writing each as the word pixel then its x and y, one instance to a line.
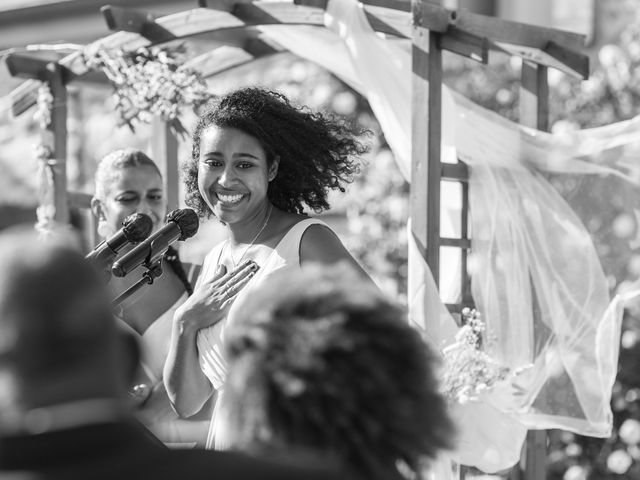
pixel 187 221
pixel 137 227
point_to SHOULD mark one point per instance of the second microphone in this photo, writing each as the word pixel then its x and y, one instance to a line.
pixel 181 224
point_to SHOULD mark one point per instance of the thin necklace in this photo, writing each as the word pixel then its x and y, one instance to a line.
pixel 235 264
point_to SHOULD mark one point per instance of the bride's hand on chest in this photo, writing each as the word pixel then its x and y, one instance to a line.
pixel 210 302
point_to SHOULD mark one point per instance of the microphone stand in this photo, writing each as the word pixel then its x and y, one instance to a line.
pixel 154 270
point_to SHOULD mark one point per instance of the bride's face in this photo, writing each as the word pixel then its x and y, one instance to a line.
pixel 233 174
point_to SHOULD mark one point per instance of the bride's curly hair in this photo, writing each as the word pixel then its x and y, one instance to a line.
pixel 322 362
pixel 316 152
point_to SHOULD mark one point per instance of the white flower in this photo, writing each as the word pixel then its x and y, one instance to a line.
pixel 573 450
pixel 629 339
pixel 629 431
pixel 469 372
pixel 619 462
pixel 575 472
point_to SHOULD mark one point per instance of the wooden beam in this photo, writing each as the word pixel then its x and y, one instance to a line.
pixel 534 97
pixel 31 67
pixel 515 33
pixel 225 57
pixel 261 46
pixel 432 17
pixel 55 137
pixel 202 20
pixel 455 171
pixel 437 18
pixel 136 21
pixel 536 455
pixel 219 60
pixel 26 66
pixel 270 13
pixel 426 137
pixel 463 243
pixel 465 44
pixel 534 112
pixel 434 134
pixel 164 148
pixel 419 139
pixel 574 61
pixel 400 5
pixel 553 56
pixel 389 22
pixel 313 3
pixel 465 278
pixel 23 97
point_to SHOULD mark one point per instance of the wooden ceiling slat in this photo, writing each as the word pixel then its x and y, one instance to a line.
pixel 563 59
pixel 515 33
pixel 546 46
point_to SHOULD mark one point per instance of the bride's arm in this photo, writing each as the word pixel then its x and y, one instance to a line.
pixel 187 386
pixel 319 244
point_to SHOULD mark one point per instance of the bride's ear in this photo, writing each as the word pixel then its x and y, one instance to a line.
pixel 273 168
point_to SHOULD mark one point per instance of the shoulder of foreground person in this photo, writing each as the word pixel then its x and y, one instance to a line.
pixel 239 466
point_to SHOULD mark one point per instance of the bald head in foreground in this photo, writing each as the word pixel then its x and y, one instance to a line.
pixel 64 369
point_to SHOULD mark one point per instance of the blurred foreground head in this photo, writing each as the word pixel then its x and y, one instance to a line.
pixel 58 339
pixel 321 361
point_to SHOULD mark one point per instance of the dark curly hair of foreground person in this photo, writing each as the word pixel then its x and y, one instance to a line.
pixel 317 152
pixel 320 362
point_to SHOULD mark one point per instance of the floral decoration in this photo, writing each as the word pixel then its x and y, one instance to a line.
pixel 150 82
pixel 46 210
pixel 469 371
pixel 44 105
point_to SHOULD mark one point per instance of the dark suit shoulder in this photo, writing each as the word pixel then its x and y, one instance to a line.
pixel 237 466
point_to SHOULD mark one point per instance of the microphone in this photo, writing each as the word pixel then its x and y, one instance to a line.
pixel 181 224
pixel 135 228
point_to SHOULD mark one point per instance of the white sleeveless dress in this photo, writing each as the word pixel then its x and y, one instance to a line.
pixel 157 413
pixel 286 255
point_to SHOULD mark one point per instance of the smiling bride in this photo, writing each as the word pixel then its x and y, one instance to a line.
pixel 257 163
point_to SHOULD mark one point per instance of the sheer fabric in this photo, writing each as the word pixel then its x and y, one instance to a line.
pixel 536 276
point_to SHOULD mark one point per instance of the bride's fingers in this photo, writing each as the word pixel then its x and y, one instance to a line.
pixel 238 272
pixel 242 275
pixel 222 275
pixel 235 288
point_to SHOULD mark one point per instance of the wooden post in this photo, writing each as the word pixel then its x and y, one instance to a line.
pixel 534 97
pixel 419 141
pixel 425 165
pixel 55 137
pixel 434 140
pixel 164 148
pixel 534 112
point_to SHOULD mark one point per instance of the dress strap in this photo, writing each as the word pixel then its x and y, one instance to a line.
pixel 289 245
pixel 295 233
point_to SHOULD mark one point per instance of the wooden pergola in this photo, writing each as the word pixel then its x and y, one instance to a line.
pixel 432 30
